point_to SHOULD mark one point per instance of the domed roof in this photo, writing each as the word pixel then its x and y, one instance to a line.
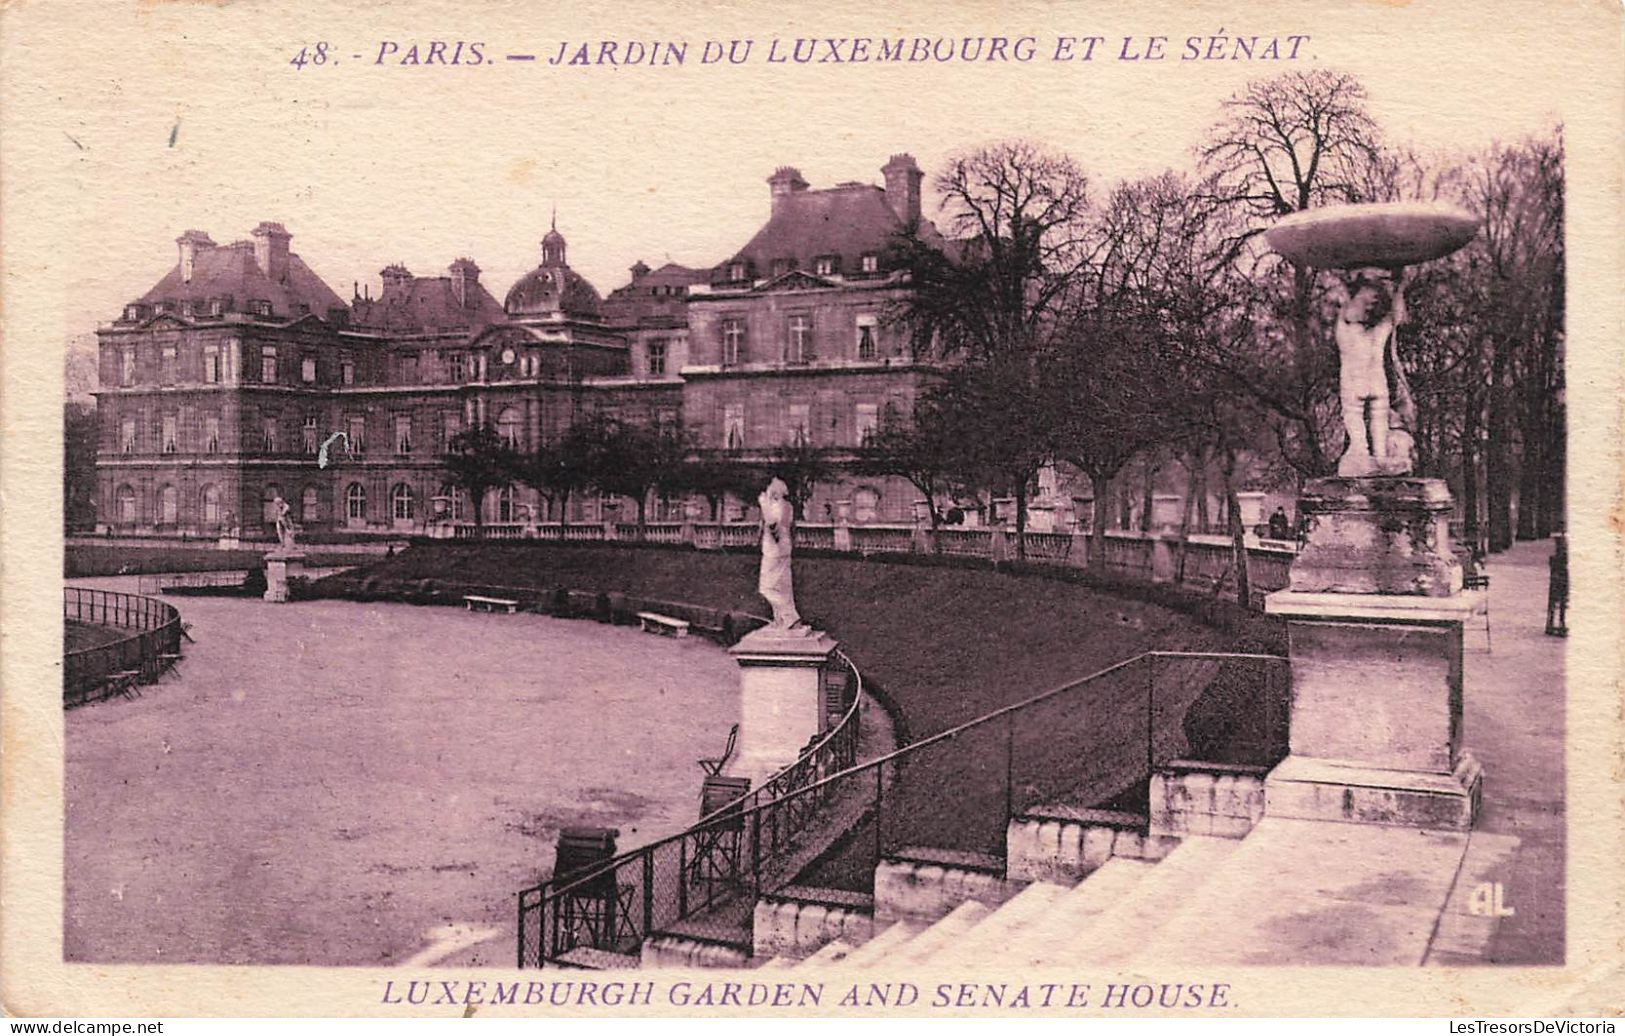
pixel 554 288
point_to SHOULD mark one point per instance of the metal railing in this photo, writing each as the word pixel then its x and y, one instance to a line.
pixel 1090 742
pixel 702 881
pixel 97 672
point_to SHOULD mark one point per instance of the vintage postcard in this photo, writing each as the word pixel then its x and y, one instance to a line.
pixel 940 510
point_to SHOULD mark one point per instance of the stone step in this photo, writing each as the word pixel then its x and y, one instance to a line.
pixel 884 944
pixel 1124 928
pixel 992 935
pixel 1073 911
pixel 829 953
pixel 943 935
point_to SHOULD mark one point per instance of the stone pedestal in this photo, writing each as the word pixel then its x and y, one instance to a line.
pixel 780 697
pixel 1374 616
pixel 279 565
pixel 1376 534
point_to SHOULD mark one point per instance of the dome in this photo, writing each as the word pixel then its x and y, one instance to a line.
pixel 554 289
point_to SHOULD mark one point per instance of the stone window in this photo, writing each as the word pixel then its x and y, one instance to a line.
pixel 783 266
pixel 798 342
pixel 505 504
pixel 866 336
pixel 211 504
pixel 868 421
pixel 451 423
pixel 357 434
pixel 870 263
pixel 733 426
pixel 508 427
pixel 865 504
pixel 736 271
pixel 827 265
pixel 268 434
pixel 402 505
pixel 170 430
pixel 355 503
pixel 211 363
pixel 166 364
pixel 403 434
pixel 733 341
pixel 211 433
pixel 308 433
pixel 799 425
pixel 408 368
pixel 268 365
pixel 127 435
pixel 454 499
pixel 126 504
pixel 307 370
pixel 310 505
pixel 657 356
pixel 127 365
pixel 268 503
pixel 168 505
pixel 347 371
pixel 259 307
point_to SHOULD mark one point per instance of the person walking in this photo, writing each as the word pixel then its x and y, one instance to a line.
pixel 1557 589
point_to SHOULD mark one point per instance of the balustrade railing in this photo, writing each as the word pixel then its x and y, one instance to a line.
pixel 1090 742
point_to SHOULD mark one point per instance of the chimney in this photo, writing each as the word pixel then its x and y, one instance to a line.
pixel 465 278
pixel 903 178
pixel 785 181
pixel 271 250
pixel 189 243
pixel 640 270
pixel 397 281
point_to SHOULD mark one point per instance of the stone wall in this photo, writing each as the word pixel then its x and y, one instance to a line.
pixel 1192 798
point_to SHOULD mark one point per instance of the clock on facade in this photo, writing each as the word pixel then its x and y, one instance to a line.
pixel 507 356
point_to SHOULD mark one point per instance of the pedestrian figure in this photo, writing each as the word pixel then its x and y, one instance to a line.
pixel 1557 589
pixel 1280 528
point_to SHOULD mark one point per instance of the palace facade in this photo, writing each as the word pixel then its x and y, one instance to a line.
pixel 240 376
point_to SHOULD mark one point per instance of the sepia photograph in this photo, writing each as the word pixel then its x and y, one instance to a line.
pixel 714 511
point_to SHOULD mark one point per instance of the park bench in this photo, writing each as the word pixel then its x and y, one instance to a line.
pixel 479 602
pixel 1480 582
pixel 125 682
pixel 654 622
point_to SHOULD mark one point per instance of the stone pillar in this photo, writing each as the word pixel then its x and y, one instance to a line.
pixel 781 703
pixel 279 565
pixel 843 525
pixel 1374 616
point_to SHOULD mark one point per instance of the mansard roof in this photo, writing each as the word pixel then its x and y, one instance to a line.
pixel 425 304
pixel 846 222
pixel 231 271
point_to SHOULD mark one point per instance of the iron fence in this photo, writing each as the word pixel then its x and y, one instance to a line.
pixel 97 672
pixel 1092 742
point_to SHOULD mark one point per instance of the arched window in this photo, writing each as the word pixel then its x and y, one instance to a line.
pixel 268 503
pixel 865 504
pixel 508 427
pixel 355 503
pixel 168 505
pixel 402 506
pixel 505 509
pixel 211 504
pixel 310 505
pixel 126 504
pixel 455 501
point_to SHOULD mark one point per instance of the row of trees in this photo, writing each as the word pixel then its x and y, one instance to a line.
pixel 1152 324
pixel 607 455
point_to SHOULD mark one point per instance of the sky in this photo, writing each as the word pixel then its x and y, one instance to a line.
pixel 172 117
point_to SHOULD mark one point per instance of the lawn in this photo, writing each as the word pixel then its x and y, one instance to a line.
pixel 79 561
pixel 942 644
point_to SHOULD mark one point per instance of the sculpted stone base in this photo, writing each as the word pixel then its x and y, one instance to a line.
pixel 780 697
pixel 1378 534
pixel 279 566
pixel 1305 788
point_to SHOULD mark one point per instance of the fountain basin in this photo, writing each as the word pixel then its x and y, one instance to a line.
pixel 1383 234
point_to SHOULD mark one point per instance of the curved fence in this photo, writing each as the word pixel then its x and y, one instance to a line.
pixel 103 670
pixel 1084 744
pixel 701 882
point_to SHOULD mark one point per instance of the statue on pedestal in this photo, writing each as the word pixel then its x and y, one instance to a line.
pixel 778 527
pixel 1378 413
pixel 286 530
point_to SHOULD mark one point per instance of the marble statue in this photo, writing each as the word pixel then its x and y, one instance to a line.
pixel 285 528
pixel 778 527
pixel 1378 413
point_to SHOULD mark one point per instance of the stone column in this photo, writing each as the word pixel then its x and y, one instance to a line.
pixel 781 703
pixel 1374 616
